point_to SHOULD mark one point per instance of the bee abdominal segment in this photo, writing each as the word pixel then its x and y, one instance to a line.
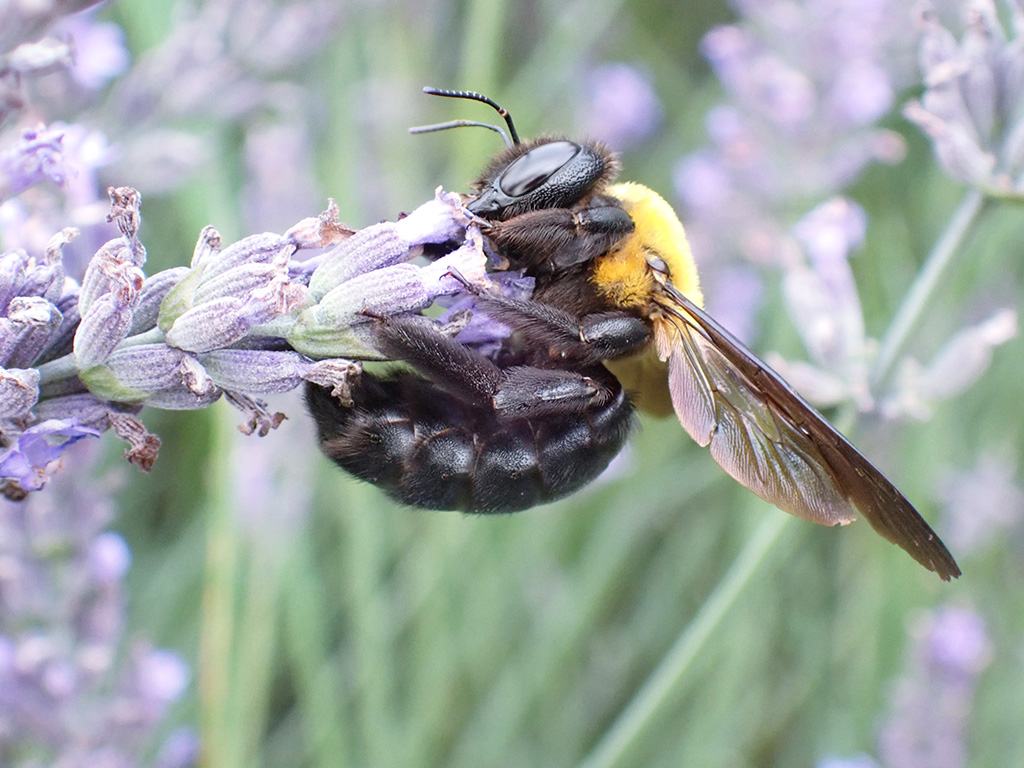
pixel 425 447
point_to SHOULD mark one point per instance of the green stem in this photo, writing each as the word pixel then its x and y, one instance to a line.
pixel 664 681
pixel 922 293
pixel 66 368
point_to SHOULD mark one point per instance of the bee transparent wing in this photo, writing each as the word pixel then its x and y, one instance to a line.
pixel 772 441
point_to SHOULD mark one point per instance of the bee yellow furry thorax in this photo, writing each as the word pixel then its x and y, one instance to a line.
pixel 624 277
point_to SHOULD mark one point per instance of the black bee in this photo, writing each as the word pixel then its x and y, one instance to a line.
pixel 615 319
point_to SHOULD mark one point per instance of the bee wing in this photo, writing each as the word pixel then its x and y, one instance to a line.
pixel 772 441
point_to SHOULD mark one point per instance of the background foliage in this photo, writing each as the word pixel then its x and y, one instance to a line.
pixel 662 617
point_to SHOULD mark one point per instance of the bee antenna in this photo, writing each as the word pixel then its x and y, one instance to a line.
pixel 461 124
pixel 474 96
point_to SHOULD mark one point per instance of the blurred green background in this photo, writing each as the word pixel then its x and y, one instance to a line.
pixel 328 627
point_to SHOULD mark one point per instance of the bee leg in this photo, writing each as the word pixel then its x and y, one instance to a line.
pixel 454 366
pixel 553 239
pixel 514 393
pixel 529 393
pixel 588 340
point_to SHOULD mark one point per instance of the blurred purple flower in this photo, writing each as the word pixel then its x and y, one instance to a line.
pixel 859 761
pixel 973 100
pixel 26 464
pixel 927 724
pixel 99 46
pixel 68 695
pixel 805 84
pixel 957 365
pixel 621 107
pixel 981 503
pixel 37 157
pixel 822 298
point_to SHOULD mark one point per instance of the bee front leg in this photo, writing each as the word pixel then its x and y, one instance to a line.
pixel 587 340
pixel 552 239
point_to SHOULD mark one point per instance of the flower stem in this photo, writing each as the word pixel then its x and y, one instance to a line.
pixel 922 291
pixel 664 681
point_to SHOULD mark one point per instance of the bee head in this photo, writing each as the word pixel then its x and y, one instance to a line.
pixel 531 176
pixel 544 173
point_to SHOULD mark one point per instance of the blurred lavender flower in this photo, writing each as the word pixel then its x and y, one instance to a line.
pixel 24 53
pixel 74 690
pixel 806 84
pixel 621 107
pixel 961 362
pixel 859 761
pixel 926 726
pixel 981 503
pixel 100 52
pixel 927 723
pixel 822 299
pixel 211 68
pixel 37 157
pixel 973 103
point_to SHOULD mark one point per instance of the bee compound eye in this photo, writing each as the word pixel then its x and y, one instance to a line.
pixel 530 171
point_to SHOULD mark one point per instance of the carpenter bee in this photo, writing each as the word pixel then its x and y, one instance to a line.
pixel 615 323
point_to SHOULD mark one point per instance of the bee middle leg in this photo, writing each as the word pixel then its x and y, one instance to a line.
pixel 587 340
pixel 516 392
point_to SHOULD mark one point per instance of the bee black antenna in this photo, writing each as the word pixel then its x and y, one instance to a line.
pixel 461 124
pixel 474 96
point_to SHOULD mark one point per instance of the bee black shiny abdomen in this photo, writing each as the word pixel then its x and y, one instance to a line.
pixel 425 447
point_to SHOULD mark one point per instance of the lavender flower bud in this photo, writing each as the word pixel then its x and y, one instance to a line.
pixel 238 281
pixel 109 270
pixel 104 327
pixel 253 268
pixel 442 219
pixel 386 244
pixel 34 321
pixel 265 248
pixel 87 409
pixel 12 273
pixel 328 329
pixel 321 232
pixel 45 280
pixel 155 289
pixel 224 321
pixel 183 399
pixel 323 339
pixel 19 391
pixel 130 374
pixel 63 338
pixel 368 249
pixel 207 247
pixel 255 371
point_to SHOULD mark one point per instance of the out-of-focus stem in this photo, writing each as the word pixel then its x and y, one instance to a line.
pixel 922 291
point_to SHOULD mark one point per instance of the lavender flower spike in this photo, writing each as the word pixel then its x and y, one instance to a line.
pixel 183 338
pixel 973 105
